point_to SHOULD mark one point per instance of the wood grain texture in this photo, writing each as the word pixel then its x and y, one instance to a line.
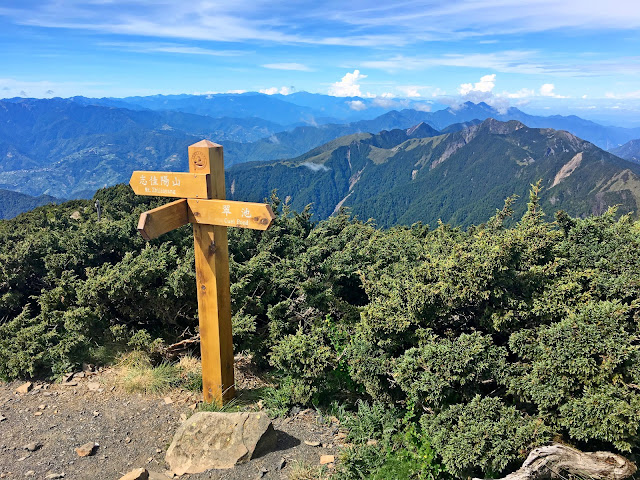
pixel 559 461
pixel 227 213
pixel 170 184
pixel 212 277
pixel 158 221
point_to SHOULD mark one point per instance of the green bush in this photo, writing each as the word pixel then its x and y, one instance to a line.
pixel 496 337
pixel 483 434
pixel 444 371
pixel 305 359
pixel 383 445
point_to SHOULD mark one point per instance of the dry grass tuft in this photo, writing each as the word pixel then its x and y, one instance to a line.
pixel 299 470
pixel 137 374
pixel 190 365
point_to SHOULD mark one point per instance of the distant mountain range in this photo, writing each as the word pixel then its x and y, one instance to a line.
pixel 297 108
pixel 460 177
pixel 266 107
pixel 14 203
pixel 629 151
pixel 68 148
pixel 304 108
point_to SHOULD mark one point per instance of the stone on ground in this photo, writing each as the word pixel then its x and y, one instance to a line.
pixel 217 440
pixel 93 386
pixel 137 474
pixel 325 459
pixel 158 476
pixel 33 446
pixel 25 387
pixel 86 449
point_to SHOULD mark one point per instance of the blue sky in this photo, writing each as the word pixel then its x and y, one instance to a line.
pixel 552 56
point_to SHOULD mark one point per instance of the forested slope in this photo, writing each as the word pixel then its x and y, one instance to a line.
pixel 459 177
pixel 13 203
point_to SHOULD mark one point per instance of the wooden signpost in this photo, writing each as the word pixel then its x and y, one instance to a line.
pixel 203 204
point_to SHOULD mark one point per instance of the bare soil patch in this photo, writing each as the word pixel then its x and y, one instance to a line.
pixel 42 428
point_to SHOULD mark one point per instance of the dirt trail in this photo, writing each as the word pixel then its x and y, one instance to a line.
pixel 132 431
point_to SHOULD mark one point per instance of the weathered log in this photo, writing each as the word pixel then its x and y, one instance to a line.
pixel 175 349
pixel 558 461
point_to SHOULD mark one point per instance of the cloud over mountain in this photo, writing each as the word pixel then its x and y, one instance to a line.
pixel 348 86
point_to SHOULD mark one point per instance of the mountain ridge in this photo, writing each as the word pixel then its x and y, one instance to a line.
pixel 13 203
pixel 629 151
pixel 459 177
pixel 71 147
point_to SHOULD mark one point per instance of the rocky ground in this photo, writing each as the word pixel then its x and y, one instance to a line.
pixel 41 429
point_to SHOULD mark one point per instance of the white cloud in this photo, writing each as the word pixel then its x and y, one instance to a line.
pixel 386 102
pixel 482 91
pixel 287 66
pixel 512 61
pixel 399 103
pixel 348 86
pixel 410 91
pixel 274 90
pixel 236 91
pixel 485 85
pixel 339 23
pixel 315 167
pixel 547 90
pixel 627 95
pixel 526 62
pixel 422 107
pixel 11 87
pixel 151 47
pixel 522 93
pixel 471 18
pixel 357 105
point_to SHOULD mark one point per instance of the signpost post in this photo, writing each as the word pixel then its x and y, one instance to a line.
pixel 203 204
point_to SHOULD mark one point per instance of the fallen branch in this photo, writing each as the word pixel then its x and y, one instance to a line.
pixel 557 461
pixel 175 349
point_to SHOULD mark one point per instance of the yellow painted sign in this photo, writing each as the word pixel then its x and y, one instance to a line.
pixel 163 219
pixel 227 213
pixel 170 184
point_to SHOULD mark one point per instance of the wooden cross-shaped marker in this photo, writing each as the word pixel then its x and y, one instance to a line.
pixel 203 204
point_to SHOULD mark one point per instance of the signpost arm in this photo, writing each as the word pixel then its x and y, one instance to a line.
pixel 212 277
pixel 163 219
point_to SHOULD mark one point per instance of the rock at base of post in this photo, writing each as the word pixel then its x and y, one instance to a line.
pixel 211 440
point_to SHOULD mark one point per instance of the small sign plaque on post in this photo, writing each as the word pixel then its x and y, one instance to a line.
pixel 203 204
pixel 170 184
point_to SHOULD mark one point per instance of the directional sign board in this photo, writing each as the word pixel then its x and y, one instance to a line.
pixel 203 204
pixel 170 184
pixel 226 213
pixel 154 223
